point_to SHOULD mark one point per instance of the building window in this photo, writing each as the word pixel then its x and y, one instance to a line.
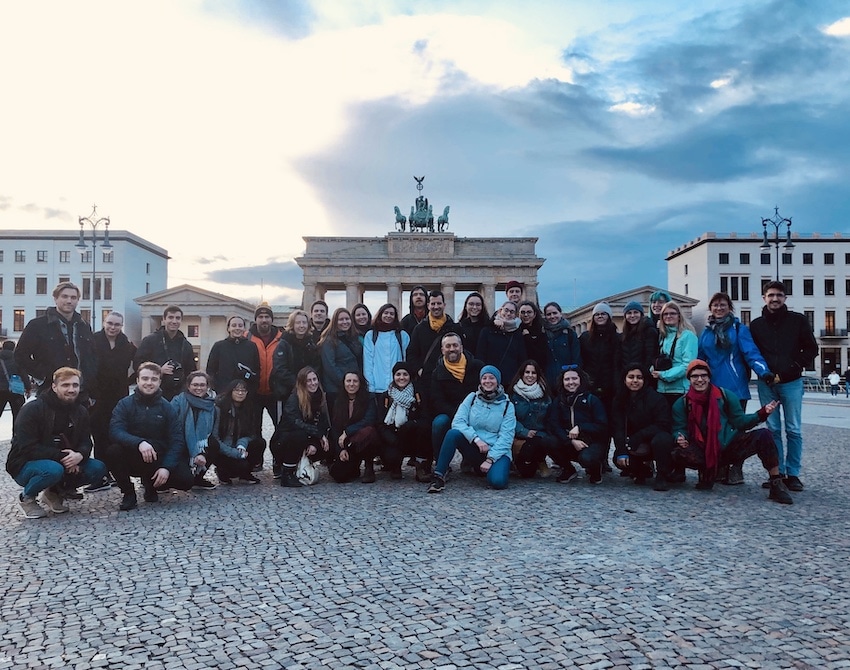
pixel 86 256
pixel 20 285
pixel 86 315
pixel 41 256
pixel 765 259
pixel 107 256
pixel 808 287
pixel 829 322
pixel 147 268
pixel 686 289
pixel 723 259
pixel 847 323
pixel 86 288
pixel 40 312
pixel 738 288
pixel 1 256
pixel 103 314
pixel 147 288
pixel 64 256
pixel 786 259
pixel 846 258
pixel 847 287
pixel 810 317
pixel 744 259
pixel 829 287
pixel 686 269
pixel 20 256
pixel 18 318
pixel 808 259
pixel 745 317
pixel 41 285
pixel 193 331
pixel 789 286
pixel 829 259
pixel 107 288
pixel 1 285
pixel 63 279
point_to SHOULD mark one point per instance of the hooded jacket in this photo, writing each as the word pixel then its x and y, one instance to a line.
pixel 786 341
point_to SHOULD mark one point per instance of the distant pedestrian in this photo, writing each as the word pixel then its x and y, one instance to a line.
pixel 834 380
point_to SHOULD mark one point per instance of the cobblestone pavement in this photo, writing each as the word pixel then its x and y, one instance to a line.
pixel 385 576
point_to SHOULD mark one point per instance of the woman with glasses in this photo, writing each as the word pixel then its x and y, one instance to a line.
pixel 472 319
pixel 563 343
pixel 536 342
pixel 656 303
pixel 501 343
pixel 678 347
pixel 196 414
pixel 234 448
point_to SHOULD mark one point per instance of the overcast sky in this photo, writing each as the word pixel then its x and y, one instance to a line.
pixel 613 131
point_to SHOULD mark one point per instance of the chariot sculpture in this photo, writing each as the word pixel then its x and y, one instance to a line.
pixel 421 214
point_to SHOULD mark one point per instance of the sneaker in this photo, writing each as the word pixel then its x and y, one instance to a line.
pixel 779 492
pixel 55 502
pixel 395 473
pixel 567 475
pixel 368 473
pixel 437 484
pixel 103 485
pixel 224 479
pixel 596 475
pixel 202 484
pixel 793 483
pixel 71 494
pixel 735 475
pixel 129 501
pixel 250 479
pixel 31 508
pixel 677 475
pixel 257 468
pixel 151 495
pixel 277 471
pixel 660 484
pixel 288 479
pixel 423 471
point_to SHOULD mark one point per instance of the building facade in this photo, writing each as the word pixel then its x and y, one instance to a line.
pixel 815 274
pixel 33 262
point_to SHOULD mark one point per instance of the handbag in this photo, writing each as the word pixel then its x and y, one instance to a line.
pixel 306 471
pixel 664 362
pixel 16 384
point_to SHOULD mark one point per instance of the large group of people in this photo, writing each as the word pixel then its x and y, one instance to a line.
pixel 516 393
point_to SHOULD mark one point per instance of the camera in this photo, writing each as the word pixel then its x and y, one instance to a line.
pixel 245 372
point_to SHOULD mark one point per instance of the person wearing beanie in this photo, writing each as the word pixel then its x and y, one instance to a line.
pixel 483 431
pixel 656 301
pixel 403 428
pixel 639 343
pixel 264 335
pixel 712 431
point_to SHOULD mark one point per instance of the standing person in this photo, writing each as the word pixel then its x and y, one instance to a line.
pixel 424 349
pixel 168 348
pixel 847 383
pixel 564 348
pixel 502 343
pixel 304 427
pixel 531 327
pixel 786 341
pixel 384 346
pixel 418 309
pixel 834 379
pixel 51 445
pixel 265 336
pixel 234 357
pixel 354 438
pixel 678 347
pixel 531 399
pixel 195 408
pixel 639 342
pixel 147 441
pixel 59 338
pixel 115 359
pixel 295 350
pixel 656 303
pixel 483 431
pixel 362 318
pixel 711 430
pixel 318 317
pixel 233 446
pixel 402 426
pixel 514 291
pixel 341 352
pixel 14 387
pixel 727 346
pixel 473 318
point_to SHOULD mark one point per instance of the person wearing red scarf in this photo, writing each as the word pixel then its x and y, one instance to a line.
pixel 712 431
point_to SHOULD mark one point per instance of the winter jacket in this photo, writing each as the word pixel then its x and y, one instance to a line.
pixel 291 355
pixel 316 425
pixel 380 355
pixel 447 393
pixel 139 418
pixel 639 416
pixel 494 421
pixel 504 350
pixel 531 414
pixel 233 429
pixel 420 344
pixel 42 349
pixel 365 414
pixel 674 380
pixel 786 341
pixel 730 368
pixel 733 419
pixel 113 368
pixel 640 347
pixel 564 350
pixel 600 359
pixel 32 439
pixel 266 354
pixel 580 409
pixel 159 348
pixel 344 355
pixel 471 333
pixel 224 360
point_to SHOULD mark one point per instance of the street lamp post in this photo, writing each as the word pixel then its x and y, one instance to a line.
pixel 777 222
pixel 94 221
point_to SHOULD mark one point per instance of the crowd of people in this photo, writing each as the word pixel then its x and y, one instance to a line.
pixel 516 393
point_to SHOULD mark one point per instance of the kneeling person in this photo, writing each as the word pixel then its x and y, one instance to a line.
pixel 51 444
pixel 147 441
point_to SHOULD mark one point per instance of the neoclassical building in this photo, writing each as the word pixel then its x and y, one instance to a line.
pixel 398 261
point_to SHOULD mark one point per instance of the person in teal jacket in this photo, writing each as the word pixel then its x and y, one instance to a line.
pixel 483 431
pixel 679 346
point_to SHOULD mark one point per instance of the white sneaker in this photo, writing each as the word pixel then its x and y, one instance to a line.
pixel 31 508
pixel 55 502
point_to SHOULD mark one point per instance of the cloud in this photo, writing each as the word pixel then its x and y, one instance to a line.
pixel 840 28
pixel 290 18
pixel 280 274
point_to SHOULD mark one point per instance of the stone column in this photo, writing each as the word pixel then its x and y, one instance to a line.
pixel 394 297
pixel 352 294
pixel 488 290
pixel 449 296
pixel 531 292
pixel 311 294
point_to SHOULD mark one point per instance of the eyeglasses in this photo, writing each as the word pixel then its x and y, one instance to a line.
pixel 198 385
pixel 240 389
pixel 567 368
pixel 699 375
pixel 525 312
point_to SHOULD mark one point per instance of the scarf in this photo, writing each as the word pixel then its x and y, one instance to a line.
pixel 704 408
pixel 197 431
pixel 510 326
pixel 457 370
pixel 555 329
pixel 403 400
pixel 529 392
pixel 490 396
pixel 436 324
pixel 720 328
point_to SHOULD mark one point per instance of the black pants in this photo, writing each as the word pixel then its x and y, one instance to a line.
pixel 590 458
pixel 229 467
pixel 658 448
pixel 362 446
pixel 758 442
pixel 533 452
pixel 287 447
pixel 15 402
pixel 101 415
pixel 411 439
pixel 125 462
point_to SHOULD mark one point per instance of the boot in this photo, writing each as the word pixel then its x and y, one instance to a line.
pixel 722 474
pixel 735 475
pixel 423 471
pixel 704 483
pixel 368 472
pixel 288 478
pixel 661 483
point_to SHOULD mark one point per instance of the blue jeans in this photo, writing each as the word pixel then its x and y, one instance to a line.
pixel 497 475
pixel 790 396
pixel 439 427
pixel 36 476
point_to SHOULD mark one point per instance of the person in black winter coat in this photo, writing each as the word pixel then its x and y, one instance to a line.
pixel 531 326
pixel 296 350
pixel 473 318
pixel 501 343
pixel 402 426
pixel 168 348
pixel 234 357
pixel 9 368
pixel 354 437
pixel 639 341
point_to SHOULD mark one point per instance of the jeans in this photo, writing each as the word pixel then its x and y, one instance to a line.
pixel 439 427
pixel 36 476
pixel 790 396
pixel 497 475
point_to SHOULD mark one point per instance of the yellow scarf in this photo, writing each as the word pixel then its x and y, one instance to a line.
pixel 436 324
pixel 458 369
